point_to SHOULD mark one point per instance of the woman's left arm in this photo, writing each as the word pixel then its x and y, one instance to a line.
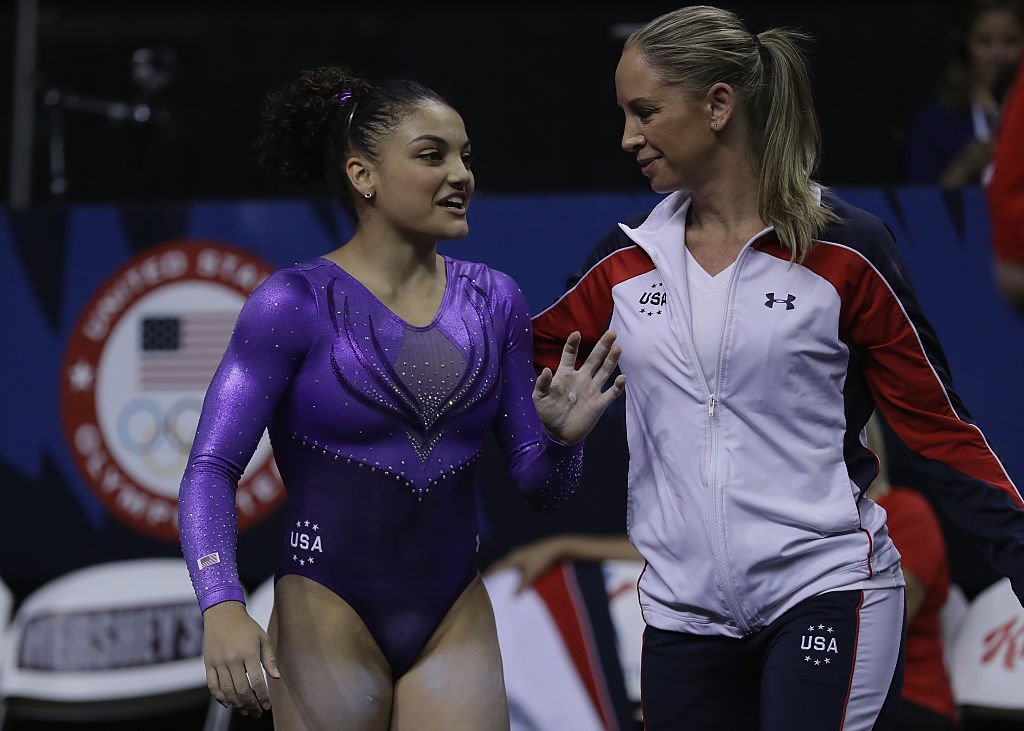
pixel 909 379
pixel 542 422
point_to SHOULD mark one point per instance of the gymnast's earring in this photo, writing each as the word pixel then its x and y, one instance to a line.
pixel 714 124
pixel 368 195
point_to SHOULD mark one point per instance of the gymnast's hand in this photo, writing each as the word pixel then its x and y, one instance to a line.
pixel 236 650
pixel 570 401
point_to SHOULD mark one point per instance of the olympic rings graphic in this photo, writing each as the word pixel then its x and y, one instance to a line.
pixel 125 432
pixel 159 437
pixel 176 421
pixel 157 425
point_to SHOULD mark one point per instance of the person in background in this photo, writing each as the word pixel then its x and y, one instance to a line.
pixel 762 320
pixel 378 368
pixel 927 698
pixel 1005 194
pixel 534 559
pixel 952 137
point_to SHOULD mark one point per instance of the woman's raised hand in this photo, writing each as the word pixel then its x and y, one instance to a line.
pixel 570 400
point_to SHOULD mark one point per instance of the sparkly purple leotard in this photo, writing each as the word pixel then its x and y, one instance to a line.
pixel 376 426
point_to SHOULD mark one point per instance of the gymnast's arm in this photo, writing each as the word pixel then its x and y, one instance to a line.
pixel 546 470
pixel 273 334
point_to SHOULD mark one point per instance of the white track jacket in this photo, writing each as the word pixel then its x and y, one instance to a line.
pixel 747 497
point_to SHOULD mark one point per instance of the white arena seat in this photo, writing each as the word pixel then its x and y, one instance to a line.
pixel 261 603
pixel 544 690
pixel 112 641
pixel 555 676
pixel 951 619
pixel 6 602
pixel 621 578
pixel 988 656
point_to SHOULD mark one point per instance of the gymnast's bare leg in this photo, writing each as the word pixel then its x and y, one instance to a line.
pixel 333 675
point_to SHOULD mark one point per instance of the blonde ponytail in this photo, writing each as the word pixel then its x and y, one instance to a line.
pixel 698 46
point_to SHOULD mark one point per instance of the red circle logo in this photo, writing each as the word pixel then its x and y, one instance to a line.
pixel 134 374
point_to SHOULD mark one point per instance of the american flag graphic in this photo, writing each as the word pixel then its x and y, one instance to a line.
pixel 181 352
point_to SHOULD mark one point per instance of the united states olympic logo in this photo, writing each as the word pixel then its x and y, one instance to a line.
pixel 134 374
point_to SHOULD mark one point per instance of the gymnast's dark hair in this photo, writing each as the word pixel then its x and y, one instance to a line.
pixel 309 127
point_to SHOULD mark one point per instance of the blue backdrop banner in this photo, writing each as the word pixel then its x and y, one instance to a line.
pixel 115 315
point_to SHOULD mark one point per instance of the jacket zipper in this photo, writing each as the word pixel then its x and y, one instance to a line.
pixel 724 569
pixel 717 498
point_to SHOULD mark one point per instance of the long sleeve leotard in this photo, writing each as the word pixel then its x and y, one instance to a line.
pixel 376 426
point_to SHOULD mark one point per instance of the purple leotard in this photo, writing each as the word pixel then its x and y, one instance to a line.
pixel 376 426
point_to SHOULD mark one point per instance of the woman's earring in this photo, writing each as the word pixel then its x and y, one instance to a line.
pixel 714 125
pixel 368 195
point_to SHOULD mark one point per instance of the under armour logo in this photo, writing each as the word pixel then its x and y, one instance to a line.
pixel 772 300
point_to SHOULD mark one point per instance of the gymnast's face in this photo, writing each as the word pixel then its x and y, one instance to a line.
pixel 424 179
pixel 666 128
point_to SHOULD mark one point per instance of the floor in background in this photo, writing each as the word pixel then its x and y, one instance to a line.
pixel 193 721
pixel 187 721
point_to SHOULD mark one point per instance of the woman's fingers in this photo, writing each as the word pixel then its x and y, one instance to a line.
pixel 542 387
pixel 599 353
pixel 608 366
pixel 257 681
pixel 246 699
pixel 268 658
pixel 570 350
pixel 227 686
pixel 213 683
pixel 617 388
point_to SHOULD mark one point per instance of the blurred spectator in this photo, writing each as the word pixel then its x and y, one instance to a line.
pixel 951 139
pixel 1006 198
pixel 927 700
pixel 537 558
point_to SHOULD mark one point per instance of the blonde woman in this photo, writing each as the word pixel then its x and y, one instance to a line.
pixel 761 319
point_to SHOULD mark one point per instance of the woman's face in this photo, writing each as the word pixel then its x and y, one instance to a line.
pixel 994 45
pixel 423 179
pixel 667 130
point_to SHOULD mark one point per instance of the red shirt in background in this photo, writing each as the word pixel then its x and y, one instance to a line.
pixel 915 530
pixel 1005 191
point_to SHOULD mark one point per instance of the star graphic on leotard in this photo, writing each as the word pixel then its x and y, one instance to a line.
pixel 316 527
pixel 306 523
pixel 817 662
pixel 830 630
pixel 807 658
pixel 811 628
pixel 821 626
pixel 302 562
pixel 827 659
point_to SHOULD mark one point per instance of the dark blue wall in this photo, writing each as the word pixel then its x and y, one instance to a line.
pixel 54 259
